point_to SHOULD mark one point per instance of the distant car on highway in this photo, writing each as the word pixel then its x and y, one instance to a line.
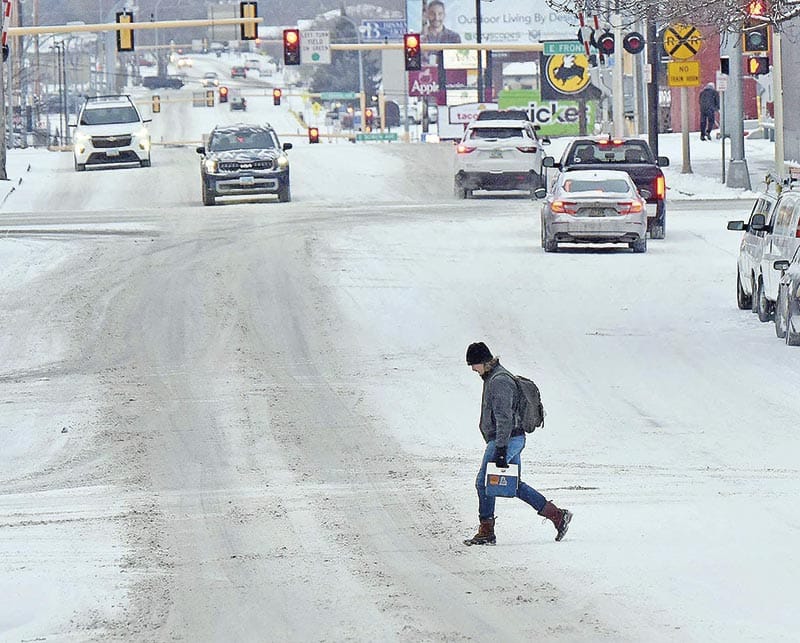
pixel 162 82
pixel 184 61
pixel 241 160
pixel 594 206
pixel 210 79
pixel 238 71
pixel 499 155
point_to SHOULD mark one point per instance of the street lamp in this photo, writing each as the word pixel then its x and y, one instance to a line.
pixel 478 35
pixel 361 96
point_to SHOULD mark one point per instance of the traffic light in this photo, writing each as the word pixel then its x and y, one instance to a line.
pixel 756 36
pixel 369 117
pixel 758 65
pixel 249 30
pixel 156 106
pixel 633 42
pixel 124 36
pixel 209 98
pixel 291 46
pixel 605 43
pixel 413 51
pixel 223 94
pixel 276 96
pixel 313 135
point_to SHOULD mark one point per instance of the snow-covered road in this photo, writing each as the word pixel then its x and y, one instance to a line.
pixel 254 421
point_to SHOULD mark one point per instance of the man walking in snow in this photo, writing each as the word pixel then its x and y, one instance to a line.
pixel 504 444
pixel 709 104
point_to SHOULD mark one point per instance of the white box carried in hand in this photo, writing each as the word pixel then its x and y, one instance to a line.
pixel 502 482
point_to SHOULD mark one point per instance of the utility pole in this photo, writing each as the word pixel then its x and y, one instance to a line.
pixel 777 97
pixel 3 174
pixel 653 58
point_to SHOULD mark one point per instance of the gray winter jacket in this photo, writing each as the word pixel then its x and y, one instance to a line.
pixel 497 406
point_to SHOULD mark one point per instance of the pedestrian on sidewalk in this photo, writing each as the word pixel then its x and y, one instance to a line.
pixel 709 105
pixel 505 441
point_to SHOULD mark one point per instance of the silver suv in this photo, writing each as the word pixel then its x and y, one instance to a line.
pixel 110 129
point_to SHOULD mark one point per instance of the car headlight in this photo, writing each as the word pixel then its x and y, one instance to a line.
pixel 283 161
pixel 211 165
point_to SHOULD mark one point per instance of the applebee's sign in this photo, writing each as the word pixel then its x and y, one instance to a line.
pixel 424 82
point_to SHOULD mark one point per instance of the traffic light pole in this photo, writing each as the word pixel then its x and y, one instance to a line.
pixel 738 175
pixel 777 104
pixel 653 59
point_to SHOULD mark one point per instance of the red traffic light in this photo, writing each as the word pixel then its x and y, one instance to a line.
pixel 291 46
pixel 276 96
pixel 412 52
pixel 223 94
pixel 313 135
pixel 605 43
pixel 633 42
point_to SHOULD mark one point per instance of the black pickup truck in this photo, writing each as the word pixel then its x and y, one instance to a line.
pixel 632 155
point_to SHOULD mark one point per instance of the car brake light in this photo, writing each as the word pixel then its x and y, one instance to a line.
pixel 629 207
pixel 661 188
pixel 527 150
pixel 797 232
pixel 464 149
pixel 564 207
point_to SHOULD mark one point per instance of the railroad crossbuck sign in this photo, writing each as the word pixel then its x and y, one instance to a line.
pixel 682 42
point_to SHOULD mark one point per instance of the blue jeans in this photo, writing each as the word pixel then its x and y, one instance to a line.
pixel 524 492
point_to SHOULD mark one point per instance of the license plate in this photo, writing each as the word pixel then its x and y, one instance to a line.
pixel 496 154
pixel 593 212
pixel 112 152
pixel 246 180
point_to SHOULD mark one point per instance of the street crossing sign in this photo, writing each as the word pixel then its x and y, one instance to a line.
pixel 554 47
pixel 682 42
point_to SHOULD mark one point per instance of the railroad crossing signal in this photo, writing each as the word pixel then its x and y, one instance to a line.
pixel 682 42
pixel 124 36
pixel 633 42
pixel 605 43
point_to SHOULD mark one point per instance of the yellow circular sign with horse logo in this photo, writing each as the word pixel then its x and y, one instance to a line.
pixel 568 73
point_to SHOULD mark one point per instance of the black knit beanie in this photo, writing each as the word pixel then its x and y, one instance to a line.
pixel 478 353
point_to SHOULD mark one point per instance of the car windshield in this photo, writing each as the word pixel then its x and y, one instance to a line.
pixel 109 116
pixel 255 140
pixel 495 132
pixel 210 74
pixel 599 152
pixel 595 185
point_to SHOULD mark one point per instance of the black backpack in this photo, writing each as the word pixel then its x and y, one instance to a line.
pixel 529 414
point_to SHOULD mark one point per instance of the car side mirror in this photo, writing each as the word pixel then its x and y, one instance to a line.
pixel 147 120
pixel 781 264
pixel 737 225
pixel 758 223
pixel 663 161
pixel 287 146
pixel 646 194
pixel 544 141
pixel 549 161
pixel 200 150
pixel 540 193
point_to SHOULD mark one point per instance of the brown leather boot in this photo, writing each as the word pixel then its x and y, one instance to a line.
pixel 485 535
pixel 559 517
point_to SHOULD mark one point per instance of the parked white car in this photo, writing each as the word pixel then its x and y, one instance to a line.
pixel 499 155
pixel 751 250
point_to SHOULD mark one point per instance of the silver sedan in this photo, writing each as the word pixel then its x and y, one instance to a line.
pixel 594 206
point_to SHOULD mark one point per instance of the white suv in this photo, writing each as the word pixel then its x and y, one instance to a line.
pixel 499 155
pixel 110 130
